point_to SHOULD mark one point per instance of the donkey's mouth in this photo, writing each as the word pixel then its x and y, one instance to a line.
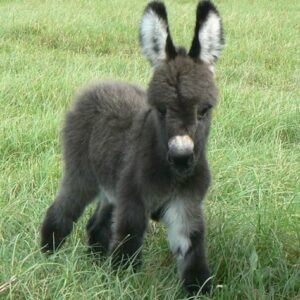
pixel 181 166
pixel 182 172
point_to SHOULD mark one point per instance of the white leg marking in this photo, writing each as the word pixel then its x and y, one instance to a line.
pixel 110 195
pixel 180 222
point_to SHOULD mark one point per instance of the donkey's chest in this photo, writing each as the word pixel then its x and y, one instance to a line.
pixel 154 202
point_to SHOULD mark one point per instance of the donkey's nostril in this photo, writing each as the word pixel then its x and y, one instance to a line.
pixel 181 161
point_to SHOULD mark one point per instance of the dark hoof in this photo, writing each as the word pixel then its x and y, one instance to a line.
pixel 124 256
pixel 99 230
pixel 53 234
pixel 99 236
pixel 198 282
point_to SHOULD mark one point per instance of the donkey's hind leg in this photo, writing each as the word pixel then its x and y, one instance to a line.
pixel 74 195
pixel 99 227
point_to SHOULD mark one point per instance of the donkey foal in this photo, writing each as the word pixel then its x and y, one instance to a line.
pixel 144 152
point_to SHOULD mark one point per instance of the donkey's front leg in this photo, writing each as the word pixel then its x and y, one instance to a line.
pixel 194 266
pixel 186 238
pixel 129 229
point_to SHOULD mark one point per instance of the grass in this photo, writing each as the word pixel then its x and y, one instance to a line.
pixel 48 49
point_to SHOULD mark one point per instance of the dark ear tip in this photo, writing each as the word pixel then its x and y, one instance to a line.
pixel 159 8
pixel 206 3
pixel 204 8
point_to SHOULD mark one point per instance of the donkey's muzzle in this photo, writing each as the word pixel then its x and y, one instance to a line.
pixel 181 153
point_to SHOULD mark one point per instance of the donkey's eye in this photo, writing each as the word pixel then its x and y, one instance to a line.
pixel 202 112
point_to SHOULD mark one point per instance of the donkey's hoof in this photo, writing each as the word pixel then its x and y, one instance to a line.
pixel 202 283
pixel 123 258
pixel 53 234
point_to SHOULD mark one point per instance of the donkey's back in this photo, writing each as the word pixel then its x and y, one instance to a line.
pixel 109 104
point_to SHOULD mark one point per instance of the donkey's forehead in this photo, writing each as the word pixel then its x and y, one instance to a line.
pixel 182 79
pixel 192 78
pixel 185 65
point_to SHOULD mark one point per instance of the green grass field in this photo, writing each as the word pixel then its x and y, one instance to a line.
pixel 49 49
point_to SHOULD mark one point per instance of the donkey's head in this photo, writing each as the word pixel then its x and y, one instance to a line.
pixel 182 90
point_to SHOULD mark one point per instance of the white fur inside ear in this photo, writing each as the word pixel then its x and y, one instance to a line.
pixel 210 38
pixel 153 37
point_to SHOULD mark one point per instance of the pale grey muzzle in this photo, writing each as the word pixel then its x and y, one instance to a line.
pixel 181 145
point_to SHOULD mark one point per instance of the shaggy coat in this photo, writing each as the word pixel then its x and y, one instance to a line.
pixel 144 153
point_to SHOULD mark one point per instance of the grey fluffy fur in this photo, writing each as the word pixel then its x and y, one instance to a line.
pixel 116 145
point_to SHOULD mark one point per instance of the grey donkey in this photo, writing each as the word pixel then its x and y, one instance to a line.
pixel 144 153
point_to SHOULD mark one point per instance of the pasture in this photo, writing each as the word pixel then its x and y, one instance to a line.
pixel 49 49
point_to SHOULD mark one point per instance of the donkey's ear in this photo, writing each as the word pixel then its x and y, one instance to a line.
pixel 155 38
pixel 208 40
